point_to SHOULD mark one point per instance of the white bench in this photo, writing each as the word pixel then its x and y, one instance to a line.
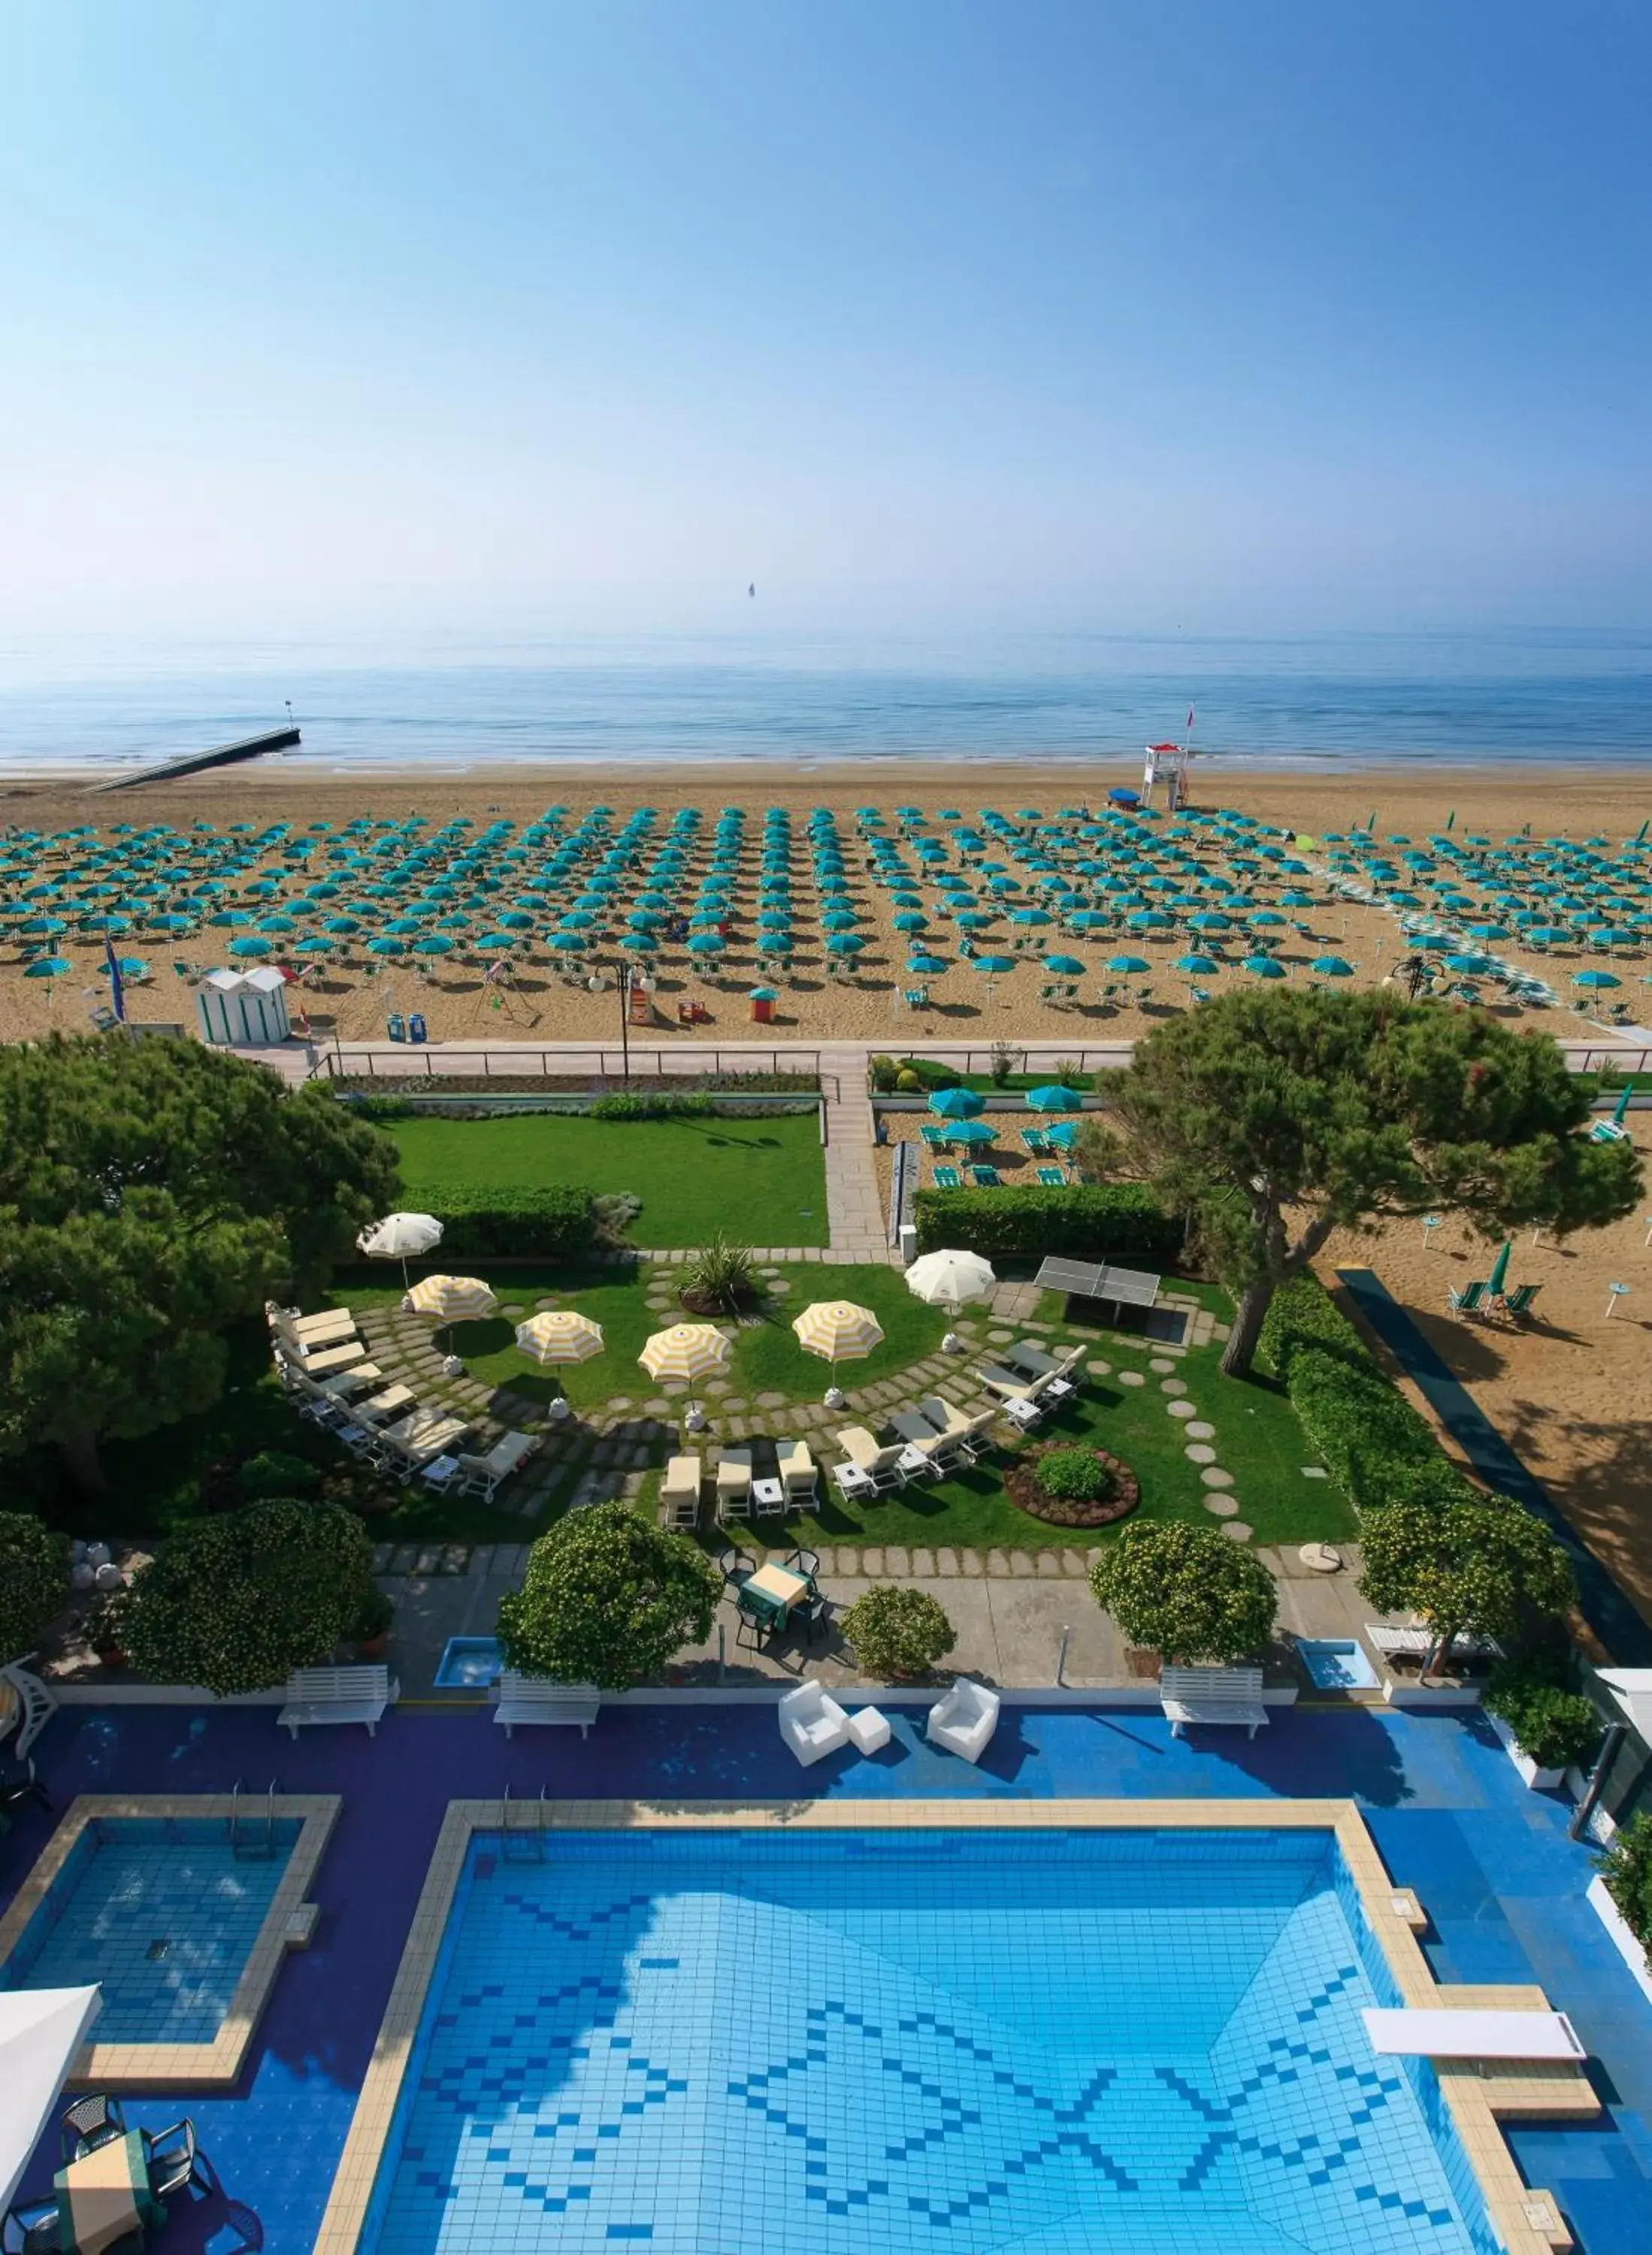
pixel 1416 1643
pixel 1211 1695
pixel 538 1699
pixel 338 1695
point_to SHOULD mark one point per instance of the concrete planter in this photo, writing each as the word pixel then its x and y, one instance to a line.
pixel 1624 1944
pixel 1429 1694
pixel 1537 1781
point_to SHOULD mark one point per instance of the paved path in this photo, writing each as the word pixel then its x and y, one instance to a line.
pixel 1609 1613
pixel 858 1227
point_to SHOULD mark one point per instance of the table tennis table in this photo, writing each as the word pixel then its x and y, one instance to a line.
pixel 1085 1280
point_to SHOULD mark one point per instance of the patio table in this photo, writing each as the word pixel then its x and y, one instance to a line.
pixel 106 2195
pixel 775 1590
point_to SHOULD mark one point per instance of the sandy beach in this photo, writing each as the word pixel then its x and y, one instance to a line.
pixel 353 993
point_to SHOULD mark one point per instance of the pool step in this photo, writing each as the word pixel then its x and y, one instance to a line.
pixel 521 1842
pixel 250 1842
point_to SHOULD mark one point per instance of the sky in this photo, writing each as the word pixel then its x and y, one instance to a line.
pixel 1139 315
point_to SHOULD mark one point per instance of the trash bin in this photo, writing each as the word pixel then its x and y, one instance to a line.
pixel 762 1010
pixel 395 1027
pixel 416 1027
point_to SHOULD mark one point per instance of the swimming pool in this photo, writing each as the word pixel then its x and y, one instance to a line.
pixel 899 2041
pixel 162 1913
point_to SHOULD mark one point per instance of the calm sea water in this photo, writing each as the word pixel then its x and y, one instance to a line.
pixel 1564 698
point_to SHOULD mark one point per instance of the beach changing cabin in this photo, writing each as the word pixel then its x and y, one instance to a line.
pixel 242 1009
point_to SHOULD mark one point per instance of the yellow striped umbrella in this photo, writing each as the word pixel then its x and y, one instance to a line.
pixel 836 1330
pixel 560 1335
pixel 684 1352
pixel 452 1299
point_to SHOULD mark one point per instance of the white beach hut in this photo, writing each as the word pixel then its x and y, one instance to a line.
pixel 242 1009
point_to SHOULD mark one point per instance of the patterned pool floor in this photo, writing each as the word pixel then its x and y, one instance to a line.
pixel 878 2045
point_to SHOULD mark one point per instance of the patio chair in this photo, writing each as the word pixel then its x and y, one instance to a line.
pixel 947 1178
pixel 92 2121
pixel 963 1720
pixel 801 1475
pixel 734 1564
pixel 1518 1303
pixel 803 1561
pixel 173 2158
pixel 813 1724
pixel 679 1492
pixel 1051 1179
pixel 31 2228
pixel 1468 1301
pixel 985 1177
pixel 734 1481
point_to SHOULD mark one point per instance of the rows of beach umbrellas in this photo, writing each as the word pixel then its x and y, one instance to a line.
pixel 836 1330
pixel 1115 894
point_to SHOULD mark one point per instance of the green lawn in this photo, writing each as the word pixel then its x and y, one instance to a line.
pixel 760 1180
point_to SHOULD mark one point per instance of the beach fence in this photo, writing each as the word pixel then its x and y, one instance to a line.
pixel 570 1061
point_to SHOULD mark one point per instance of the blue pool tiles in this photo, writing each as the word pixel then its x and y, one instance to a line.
pixel 889 2045
pixel 1490 1862
pixel 162 1913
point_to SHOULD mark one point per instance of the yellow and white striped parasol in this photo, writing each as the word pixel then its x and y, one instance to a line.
pixel 560 1335
pixel 838 1330
pixel 452 1299
pixel 684 1352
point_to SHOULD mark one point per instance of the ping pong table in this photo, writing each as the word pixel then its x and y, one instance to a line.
pixel 1127 1287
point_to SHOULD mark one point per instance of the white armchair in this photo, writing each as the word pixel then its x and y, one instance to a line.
pixel 964 1719
pixel 811 1723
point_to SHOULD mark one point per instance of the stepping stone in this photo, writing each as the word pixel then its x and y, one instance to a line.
pixel 1213 1476
pixel 1160 1365
pixel 1225 1506
pixel 771 1401
pixel 734 1403
pixel 1075 1563
pixel 512 1308
pixel 1000 1338
pixel 1172 1386
pixel 1199 1452
pixel 1132 1378
pixel 1199 1430
pixel 872 1564
pixel 619 1402
pixel 1185 1409
pixel 1100 1369
pixel 1315 1472
pixel 997 1564
pixel 1021 1564
pixel 946 1563
pixel 715 1385
pixel 1047 1564
pixel 540 1305
pixel 1236 1530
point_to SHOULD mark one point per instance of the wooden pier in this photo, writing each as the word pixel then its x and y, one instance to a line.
pixel 221 755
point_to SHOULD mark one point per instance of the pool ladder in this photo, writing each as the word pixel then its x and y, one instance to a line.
pixel 246 1846
pixel 522 1844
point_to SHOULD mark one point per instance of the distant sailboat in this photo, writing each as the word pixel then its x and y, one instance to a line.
pixel 752 589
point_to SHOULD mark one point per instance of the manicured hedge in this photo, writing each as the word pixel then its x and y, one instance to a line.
pixel 542 1221
pixel 1084 1221
pixel 1379 1448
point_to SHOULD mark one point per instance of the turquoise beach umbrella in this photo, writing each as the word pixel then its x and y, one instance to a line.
pixel 957 1104
pixel 1197 967
pixel 1054 1097
pixel 385 947
pixel 1063 1135
pixel 1132 963
pixel 1596 978
pixel 993 966
pixel 251 943
pixel 567 943
pixel 1264 967
pixel 705 942
pixel 844 943
pixel 974 1131
pixel 48 966
pixel 435 943
pixel 1064 967
pixel 926 967
pixel 1332 967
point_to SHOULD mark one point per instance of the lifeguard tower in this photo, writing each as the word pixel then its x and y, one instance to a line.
pixel 1167 764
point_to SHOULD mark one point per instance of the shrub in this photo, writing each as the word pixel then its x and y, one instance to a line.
pixel 273 1473
pixel 908 1082
pixel 1556 1727
pixel 608 1600
pixel 34 1582
pixel 1075 1475
pixel 613 1212
pixel 931 1073
pixel 884 1072
pixel 720 1275
pixel 546 1221
pixel 1187 1591
pixel 374 1616
pixel 897 1630
pixel 1626 1869
pixel 236 1602
pixel 1085 1221
pixel 1379 1448
pixel 663 1105
pixel 1003 1063
pixel 1488 1567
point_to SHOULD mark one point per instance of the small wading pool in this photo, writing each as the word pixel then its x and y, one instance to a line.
pixel 1337 1663
pixel 738 2041
pixel 469 1663
pixel 162 1913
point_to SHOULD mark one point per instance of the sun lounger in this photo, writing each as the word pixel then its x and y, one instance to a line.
pixel 734 1481
pixel 1051 1179
pixel 338 1695
pixel 326 1329
pixel 799 1472
pixel 869 1468
pixel 326 1359
pixel 1467 1302
pixel 392 1402
pixel 679 1492
pixel 536 1699
pixel 425 1435
pixel 947 1178
pixel 1415 1642
pixel 986 1178
pixel 937 1449
pixel 1034 1141
pixel 360 1375
pixel 1211 1695
pixel 482 1475
pixel 1446 2032
pixel 1028 1355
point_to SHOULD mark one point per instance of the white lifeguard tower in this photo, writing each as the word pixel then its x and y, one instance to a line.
pixel 1167 764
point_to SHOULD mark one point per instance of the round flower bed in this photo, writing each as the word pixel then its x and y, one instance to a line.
pixel 1118 1496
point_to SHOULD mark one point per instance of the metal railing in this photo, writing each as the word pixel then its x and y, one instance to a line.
pixel 445 1061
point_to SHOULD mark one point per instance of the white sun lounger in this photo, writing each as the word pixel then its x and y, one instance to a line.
pixel 1441 2032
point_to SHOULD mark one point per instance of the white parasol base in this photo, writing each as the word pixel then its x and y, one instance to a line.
pixel 834 1397
pixel 452 1366
pixel 695 1421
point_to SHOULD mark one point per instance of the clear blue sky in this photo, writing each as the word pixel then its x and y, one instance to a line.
pixel 1222 314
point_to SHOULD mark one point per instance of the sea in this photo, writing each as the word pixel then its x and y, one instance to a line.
pixel 457 702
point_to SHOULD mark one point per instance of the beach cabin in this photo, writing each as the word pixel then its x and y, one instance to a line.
pixel 242 1009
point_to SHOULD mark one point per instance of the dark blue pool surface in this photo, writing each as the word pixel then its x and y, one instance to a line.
pixel 1490 1861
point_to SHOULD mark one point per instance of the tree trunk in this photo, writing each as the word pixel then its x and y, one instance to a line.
pixel 85 1467
pixel 1240 1350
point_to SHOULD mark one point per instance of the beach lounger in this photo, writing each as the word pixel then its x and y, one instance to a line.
pixel 796 1469
pixel 483 1475
pixel 393 1401
pixel 947 1178
pixel 936 1138
pixel 1051 1178
pixel 423 1437
pixel 1034 1141
pixel 734 1482
pixel 869 1468
pixel 1413 1641
pixel 1518 1303
pixel 679 1492
pixel 986 1178
pixel 1467 1302
pixel 937 1449
pixel 326 1359
pixel 324 1330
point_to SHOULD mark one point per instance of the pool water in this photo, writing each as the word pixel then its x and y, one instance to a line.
pixel 901 2044
pixel 161 1914
pixel 469 1663
pixel 1337 1663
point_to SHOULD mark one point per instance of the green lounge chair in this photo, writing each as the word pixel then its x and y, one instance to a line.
pixel 1035 1141
pixel 948 1178
pixel 1052 1178
pixel 1518 1303
pixel 936 1138
pixel 1467 1302
pixel 986 1178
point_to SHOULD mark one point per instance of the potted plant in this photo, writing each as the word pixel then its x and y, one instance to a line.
pixel 1543 1728
pixel 898 1632
pixel 371 1634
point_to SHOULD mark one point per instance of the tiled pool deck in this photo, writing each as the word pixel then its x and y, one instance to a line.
pixel 1490 1862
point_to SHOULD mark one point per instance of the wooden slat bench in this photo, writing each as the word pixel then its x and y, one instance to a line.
pixel 537 1699
pixel 338 1695
pixel 1211 1695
